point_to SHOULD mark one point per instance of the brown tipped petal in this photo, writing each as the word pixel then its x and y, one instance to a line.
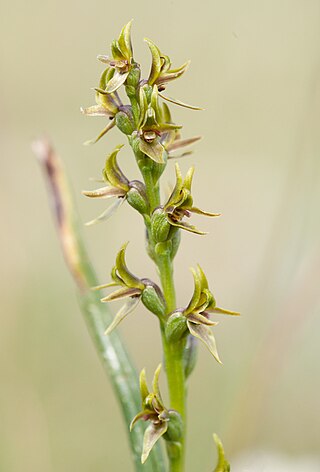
pixel 178 102
pixel 151 436
pixel 103 132
pixel 117 80
pixel 104 192
pixel 197 318
pixel 180 143
pixel 123 313
pixel 205 335
pixel 107 213
pixel 222 311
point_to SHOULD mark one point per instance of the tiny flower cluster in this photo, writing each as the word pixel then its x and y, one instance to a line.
pixel 154 138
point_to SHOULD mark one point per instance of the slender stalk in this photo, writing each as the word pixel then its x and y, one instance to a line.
pixel 173 352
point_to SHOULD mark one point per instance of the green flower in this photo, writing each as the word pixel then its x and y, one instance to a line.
pixel 133 288
pixel 179 206
pixel 107 105
pixel 152 125
pixel 161 73
pixel 121 61
pixel 163 422
pixel 195 317
pixel 120 187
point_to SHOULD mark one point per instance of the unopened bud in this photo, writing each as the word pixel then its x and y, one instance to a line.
pixel 125 122
pixel 136 197
pixel 176 327
pixel 160 227
pixel 152 298
pixel 175 427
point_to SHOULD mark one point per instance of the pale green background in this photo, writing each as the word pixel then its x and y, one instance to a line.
pixel 255 68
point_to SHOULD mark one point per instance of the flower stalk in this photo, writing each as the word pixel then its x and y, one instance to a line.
pixel 154 138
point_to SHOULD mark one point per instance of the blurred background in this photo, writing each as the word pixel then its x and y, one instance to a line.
pixel 255 70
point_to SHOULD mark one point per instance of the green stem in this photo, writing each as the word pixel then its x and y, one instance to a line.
pixel 173 355
pixel 173 352
pixel 152 189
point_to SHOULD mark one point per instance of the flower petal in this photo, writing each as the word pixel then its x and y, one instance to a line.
pixel 186 226
pixel 156 61
pixel 142 415
pixel 178 102
pixel 197 318
pixel 144 390
pixel 95 110
pixel 103 132
pixel 180 143
pixel 154 150
pixel 123 292
pixel 104 192
pixel 202 212
pixel 151 436
pixel 117 80
pixel 222 311
pixel 173 74
pixel 107 213
pixel 155 382
pixel 123 313
pixel 205 335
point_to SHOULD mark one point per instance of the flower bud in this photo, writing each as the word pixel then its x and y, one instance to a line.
pixel 152 298
pixel 175 427
pixel 176 326
pixel 160 227
pixel 136 197
pixel 125 122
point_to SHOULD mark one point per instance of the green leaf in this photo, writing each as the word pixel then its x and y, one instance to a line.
pixel 111 351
